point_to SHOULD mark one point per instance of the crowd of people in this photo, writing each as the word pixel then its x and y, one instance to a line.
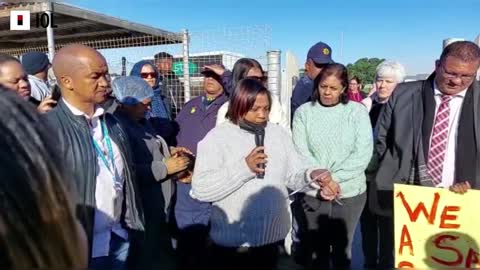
pixel 104 174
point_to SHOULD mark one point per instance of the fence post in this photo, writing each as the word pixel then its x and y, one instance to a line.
pixel 186 69
pixel 274 72
pixel 290 77
pixel 50 36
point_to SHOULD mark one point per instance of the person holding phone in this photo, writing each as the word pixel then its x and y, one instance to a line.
pixel 155 168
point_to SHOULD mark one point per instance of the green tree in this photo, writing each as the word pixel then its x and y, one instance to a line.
pixel 364 69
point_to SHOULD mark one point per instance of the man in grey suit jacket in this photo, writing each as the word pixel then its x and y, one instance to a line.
pixel 407 124
pixel 444 107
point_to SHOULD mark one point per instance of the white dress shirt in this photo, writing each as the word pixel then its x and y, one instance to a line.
pixel 448 173
pixel 108 195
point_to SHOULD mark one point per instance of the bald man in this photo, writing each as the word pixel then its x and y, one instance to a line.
pixel 95 146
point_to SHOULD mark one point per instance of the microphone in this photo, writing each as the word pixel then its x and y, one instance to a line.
pixel 259 140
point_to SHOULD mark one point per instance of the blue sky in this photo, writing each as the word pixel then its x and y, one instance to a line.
pixel 410 31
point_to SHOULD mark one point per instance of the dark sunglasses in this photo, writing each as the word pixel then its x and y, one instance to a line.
pixel 146 75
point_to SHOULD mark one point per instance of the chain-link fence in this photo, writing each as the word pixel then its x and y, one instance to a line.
pixel 121 61
pixel 225 46
pixel 212 46
pixel 182 55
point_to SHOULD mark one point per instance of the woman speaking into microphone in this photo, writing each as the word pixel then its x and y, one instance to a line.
pixel 246 183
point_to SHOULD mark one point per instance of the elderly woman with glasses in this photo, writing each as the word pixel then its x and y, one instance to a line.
pixel 334 134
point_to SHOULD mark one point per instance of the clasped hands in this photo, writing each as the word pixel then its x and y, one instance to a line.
pixel 329 189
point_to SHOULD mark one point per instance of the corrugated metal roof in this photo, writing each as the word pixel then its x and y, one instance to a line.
pixel 77 25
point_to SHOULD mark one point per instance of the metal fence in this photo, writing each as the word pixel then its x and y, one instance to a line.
pixel 200 47
pixel 121 60
pixel 225 46
pixel 124 43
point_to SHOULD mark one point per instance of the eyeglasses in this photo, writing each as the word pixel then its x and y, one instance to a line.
pixel 146 75
pixel 463 77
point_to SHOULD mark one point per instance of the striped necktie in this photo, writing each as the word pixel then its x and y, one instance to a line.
pixel 438 145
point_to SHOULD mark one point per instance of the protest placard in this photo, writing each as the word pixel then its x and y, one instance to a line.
pixel 436 228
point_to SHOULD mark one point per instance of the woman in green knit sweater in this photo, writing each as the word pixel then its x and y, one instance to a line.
pixel 335 135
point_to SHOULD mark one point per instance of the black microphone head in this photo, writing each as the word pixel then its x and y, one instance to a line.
pixel 259 137
pixel 259 141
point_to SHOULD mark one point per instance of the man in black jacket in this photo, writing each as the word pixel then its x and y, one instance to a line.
pixel 95 147
pixel 429 131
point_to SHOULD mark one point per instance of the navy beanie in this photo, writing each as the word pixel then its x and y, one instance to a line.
pixel 34 62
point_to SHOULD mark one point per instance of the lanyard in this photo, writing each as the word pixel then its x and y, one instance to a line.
pixel 101 154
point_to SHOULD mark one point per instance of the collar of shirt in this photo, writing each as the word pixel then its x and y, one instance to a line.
pixel 375 99
pixel 208 100
pixel 99 111
pixel 437 92
pixel 35 78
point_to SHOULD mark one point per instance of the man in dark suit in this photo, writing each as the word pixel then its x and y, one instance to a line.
pixel 429 131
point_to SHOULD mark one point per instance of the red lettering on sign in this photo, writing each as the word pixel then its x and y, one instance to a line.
pixel 472 260
pixel 445 216
pixel 405 264
pixel 405 241
pixel 439 241
pixel 421 208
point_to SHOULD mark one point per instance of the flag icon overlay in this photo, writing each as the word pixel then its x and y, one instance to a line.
pixel 20 20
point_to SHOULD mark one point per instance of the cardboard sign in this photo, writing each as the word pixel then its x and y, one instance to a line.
pixel 436 228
